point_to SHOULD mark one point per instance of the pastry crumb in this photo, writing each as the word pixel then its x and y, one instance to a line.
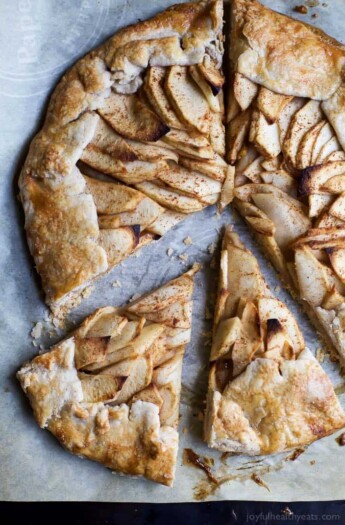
pixel 312 462
pixel 183 257
pixel 302 9
pixel 170 251
pixel 36 332
pixel 320 355
pixel 116 284
pixel 211 248
pixel 135 297
pixel 188 241
pixel 277 289
pixel 87 292
pixel 312 3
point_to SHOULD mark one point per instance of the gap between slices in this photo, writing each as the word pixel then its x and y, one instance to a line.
pixel 110 391
pixel 286 140
pixel 267 393
pixel 133 142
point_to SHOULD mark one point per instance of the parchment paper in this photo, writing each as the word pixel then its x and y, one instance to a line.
pixel 39 40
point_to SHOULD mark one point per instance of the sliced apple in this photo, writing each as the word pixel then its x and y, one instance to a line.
pixel 336 155
pixel 246 156
pixel 289 220
pixel 168 414
pixel 140 377
pixel 253 170
pixel 330 147
pixel 338 207
pixel 227 191
pixel 272 164
pixel 280 179
pixel 264 136
pixel 264 226
pixel 150 394
pixel 244 278
pixel 271 308
pixel 212 75
pixel 215 168
pixel 175 315
pixel 245 91
pixel 154 88
pixel 187 99
pixel 233 107
pixel 271 104
pixel 191 143
pixel 329 221
pixel 303 120
pixel 217 133
pixel 105 324
pixel 165 222
pixel 333 300
pixel 246 192
pixel 325 134
pixel 314 179
pixel 227 333
pixel 132 119
pixel 145 214
pixel 312 277
pixel 152 152
pixel 334 109
pixel 306 146
pixel 287 114
pixel 205 87
pixel 128 334
pixel 169 198
pixel 110 197
pixel 236 134
pixel 190 182
pixel 179 289
pixel 276 340
pixel 337 257
pixel 118 243
pixel 318 202
pixel 335 184
pixel 99 388
pixel 90 350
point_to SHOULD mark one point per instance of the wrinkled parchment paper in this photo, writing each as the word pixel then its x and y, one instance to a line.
pixel 39 40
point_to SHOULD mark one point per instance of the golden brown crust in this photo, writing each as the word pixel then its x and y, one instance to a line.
pixel 60 214
pixel 283 54
pixel 267 393
pixel 111 391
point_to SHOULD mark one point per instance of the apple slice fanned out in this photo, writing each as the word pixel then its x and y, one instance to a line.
pixel 325 134
pixel 190 182
pixel 286 115
pixel 334 108
pixel 169 198
pixel 272 164
pixel 119 243
pixel 318 203
pixel 237 131
pixel 326 220
pixel 111 197
pixel 165 222
pixel 253 170
pixel 191 143
pixel 255 348
pixel 217 133
pixel 205 87
pixel 280 179
pixel 317 178
pixel 212 75
pixel 331 146
pixel 338 208
pixel 187 99
pixel 336 155
pixel 132 119
pixel 245 91
pixel 152 152
pixel 303 120
pixel 337 257
pixel 306 146
pixel 313 281
pixel 154 89
pixel 271 104
pixel 215 168
pixel 145 213
pixel 264 136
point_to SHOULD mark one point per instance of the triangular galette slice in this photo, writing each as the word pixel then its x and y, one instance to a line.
pixel 110 392
pixel 132 143
pixel 286 140
pixel 267 392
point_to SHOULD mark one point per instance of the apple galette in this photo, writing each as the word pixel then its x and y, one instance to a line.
pixel 133 142
pixel 286 139
pixel 267 393
pixel 110 392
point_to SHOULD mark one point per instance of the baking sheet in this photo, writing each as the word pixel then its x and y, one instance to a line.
pixel 39 40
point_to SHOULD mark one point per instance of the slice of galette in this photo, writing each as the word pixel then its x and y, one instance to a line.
pixel 267 392
pixel 110 392
pixel 133 142
pixel 286 139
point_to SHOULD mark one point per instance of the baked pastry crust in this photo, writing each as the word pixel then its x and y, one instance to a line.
pixel 286 140
pixel 267 393
pixel 106 112
pixel 110 391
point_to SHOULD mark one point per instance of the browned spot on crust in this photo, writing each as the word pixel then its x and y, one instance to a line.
pixel 273 326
